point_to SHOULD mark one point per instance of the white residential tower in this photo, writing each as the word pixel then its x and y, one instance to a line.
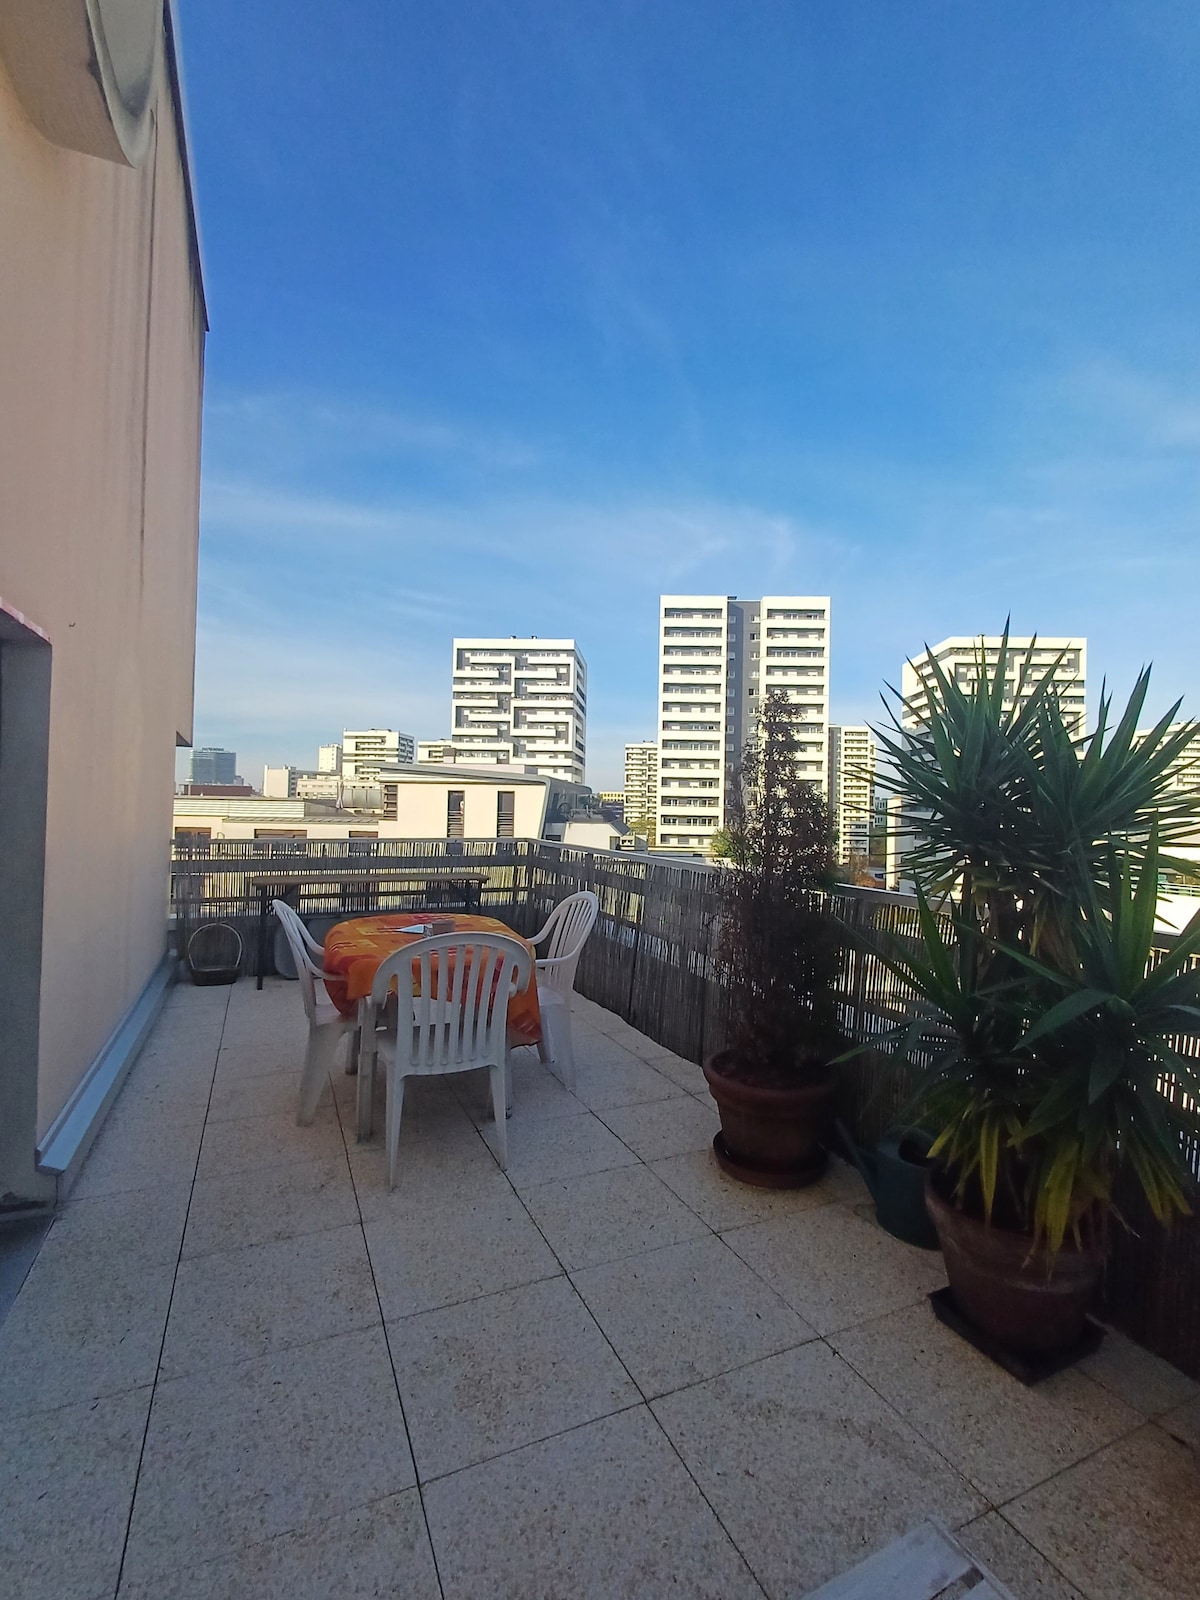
pixel 521 702
pixel 718 658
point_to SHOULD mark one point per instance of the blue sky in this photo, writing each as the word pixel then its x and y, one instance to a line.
pixel 525 313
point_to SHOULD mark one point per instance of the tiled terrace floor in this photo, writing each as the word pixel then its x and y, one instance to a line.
pixel 239 1367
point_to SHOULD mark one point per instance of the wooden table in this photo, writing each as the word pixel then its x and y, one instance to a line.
pixel 355 950
pixel 272 882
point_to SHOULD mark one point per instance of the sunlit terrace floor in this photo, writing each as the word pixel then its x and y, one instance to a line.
pixel 239 1367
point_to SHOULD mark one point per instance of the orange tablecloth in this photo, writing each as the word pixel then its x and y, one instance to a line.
pixel 354 951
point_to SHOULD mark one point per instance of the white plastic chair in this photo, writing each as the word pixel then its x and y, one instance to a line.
pixel 564 935
pixel 326 1024
pixel 452 1001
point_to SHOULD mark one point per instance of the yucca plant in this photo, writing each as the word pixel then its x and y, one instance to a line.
pixel 1042 1031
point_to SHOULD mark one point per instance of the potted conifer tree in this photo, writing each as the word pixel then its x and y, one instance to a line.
pixel 778 957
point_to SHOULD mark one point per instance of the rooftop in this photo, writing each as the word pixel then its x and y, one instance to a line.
pixel 239 1366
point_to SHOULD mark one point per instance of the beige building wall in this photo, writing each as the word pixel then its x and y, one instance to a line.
pixel 102 328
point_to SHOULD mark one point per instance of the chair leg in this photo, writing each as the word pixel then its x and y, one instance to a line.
pixel 565 1049
pixel 498 1076
pixel 395 1110
pixel 318 1061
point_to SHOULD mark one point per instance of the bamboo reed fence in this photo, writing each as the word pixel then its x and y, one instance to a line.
pixel 650 960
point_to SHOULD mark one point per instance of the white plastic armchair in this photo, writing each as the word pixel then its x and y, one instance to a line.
pixel 564 936
pixel 326 1024
pixel 452 1008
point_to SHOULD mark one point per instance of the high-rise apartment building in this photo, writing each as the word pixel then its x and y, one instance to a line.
pixel 212 765
pixel 719 657
pixel 329 758
pixel 435 752
pixel 851 788
pixel 641 786
pixel 959 659
pixel 521 702
pixel 366 751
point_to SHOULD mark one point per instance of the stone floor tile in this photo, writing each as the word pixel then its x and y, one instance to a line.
pixel 684 1074
pixel 279 1203
pixel 381 1549
pixel 724 1202
pixel 808 1469
pixel 604 1215
pixel 436 1255
pixel 1183 1423
pixel 1014 1561
pixel 536 1092
pixel 664 1128
pixel 66 1482
pixel 687 1312
pixel 233 1305
pixel 1124 1524
pixel 252 1144
pixel 602 1511
pixel 146 1223
pixel 541 1149
pixel 81 1328
pixel 140 1148
pixel 1144 1381
pixel 619 1079
pixel 269 1094
pixel 240 1453
pixel 1002 1435
pixel 483 1378
pixel 439 1165
pixel 835 1268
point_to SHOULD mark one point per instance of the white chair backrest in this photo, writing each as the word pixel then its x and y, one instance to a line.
pixel 566 931
pixel 456 989
pixel 307 971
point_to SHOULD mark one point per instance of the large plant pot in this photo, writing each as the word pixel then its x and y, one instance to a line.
pixel 1026 1302
pixel 775 1138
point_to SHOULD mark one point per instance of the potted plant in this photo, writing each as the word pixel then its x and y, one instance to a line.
pixel 778 956
pixel 1045 1026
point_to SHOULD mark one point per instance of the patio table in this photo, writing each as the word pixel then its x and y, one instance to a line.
pixel 278 877
pixel 355 950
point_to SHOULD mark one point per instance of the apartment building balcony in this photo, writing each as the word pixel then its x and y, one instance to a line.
pixel 239 1366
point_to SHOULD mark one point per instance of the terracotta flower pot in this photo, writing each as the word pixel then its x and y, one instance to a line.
pixel 1027 1302
pixel 773 1137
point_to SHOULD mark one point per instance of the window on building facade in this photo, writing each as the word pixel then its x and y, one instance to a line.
pixel 456 804
pixel 506 811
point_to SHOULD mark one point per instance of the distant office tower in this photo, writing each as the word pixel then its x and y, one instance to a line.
pixel 211 765
pixel 641 787
pixel 521 702
pixel 329 758
pixel 366 751
pixel 959 658
pixel 718 659
pixel 851 788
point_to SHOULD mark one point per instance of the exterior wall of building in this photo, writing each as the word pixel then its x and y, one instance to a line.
pixel 523 702
pixel 851 788
pixel 411 810
pixel 958 658
pixel 366 751
pixel 435 752
pixel 102 328
pixel 279 783
pixel 329 759
pixel 718 659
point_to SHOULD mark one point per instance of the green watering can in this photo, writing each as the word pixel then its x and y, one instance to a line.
pixel 895 1173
